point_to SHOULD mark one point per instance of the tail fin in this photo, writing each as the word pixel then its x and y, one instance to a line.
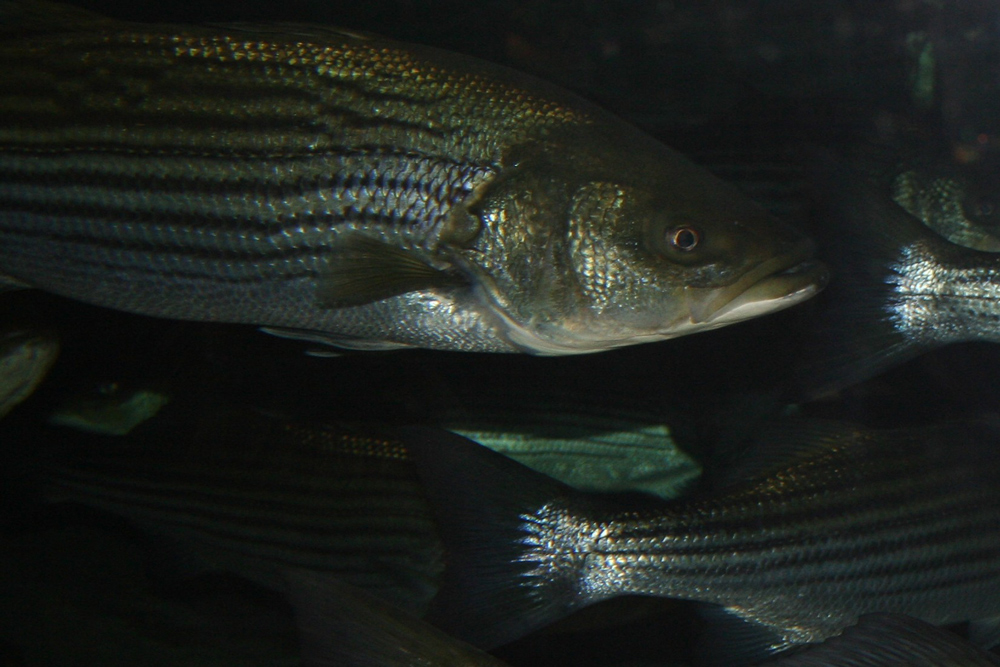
pixel 862 236
pixel 342 626
pixel 512 542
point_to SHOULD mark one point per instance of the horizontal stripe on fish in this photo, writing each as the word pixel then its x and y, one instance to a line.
pixel 406 190
pixel 829 522
pixel 350 90
pixel 497 213
pixel 258 494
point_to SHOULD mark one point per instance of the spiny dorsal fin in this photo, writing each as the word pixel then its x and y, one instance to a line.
pixel 786 442
pixel 42 16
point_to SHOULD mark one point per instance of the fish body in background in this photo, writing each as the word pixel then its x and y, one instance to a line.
pixel 25 359
pixel 891 640
pixel 828 522
pixel 258 495
pixel 953 205
pixel 898 288
pixel 361 192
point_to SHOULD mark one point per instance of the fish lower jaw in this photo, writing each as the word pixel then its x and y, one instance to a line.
pixel 772 293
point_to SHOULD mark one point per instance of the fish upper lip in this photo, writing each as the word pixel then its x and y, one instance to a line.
pixel 782 280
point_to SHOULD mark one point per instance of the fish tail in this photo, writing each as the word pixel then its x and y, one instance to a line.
pixel 510 563
pixel 861 328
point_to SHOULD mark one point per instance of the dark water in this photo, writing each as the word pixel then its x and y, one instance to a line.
pixel 736 85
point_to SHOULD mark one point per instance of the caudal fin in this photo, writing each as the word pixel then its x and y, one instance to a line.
pixel 509 534
pixel 861 328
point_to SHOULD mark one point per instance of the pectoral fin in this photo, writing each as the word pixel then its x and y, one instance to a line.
pixel 364 270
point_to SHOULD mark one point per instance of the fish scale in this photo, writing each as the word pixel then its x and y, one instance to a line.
pixel 352 190
pixel 850 522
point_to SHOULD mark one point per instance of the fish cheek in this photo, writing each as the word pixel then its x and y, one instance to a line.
pixel 695 252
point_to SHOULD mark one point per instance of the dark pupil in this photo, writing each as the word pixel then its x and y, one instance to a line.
pixel 684 238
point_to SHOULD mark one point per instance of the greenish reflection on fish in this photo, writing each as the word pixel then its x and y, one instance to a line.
pixel 357 191
pixel 825 522
pixel 591 449
pixel 112 410
pixel 892 640
pixel 25 359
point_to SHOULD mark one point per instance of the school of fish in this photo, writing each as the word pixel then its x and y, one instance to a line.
pixel 348 190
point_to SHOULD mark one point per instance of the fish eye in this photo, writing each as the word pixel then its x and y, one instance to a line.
pixel 685 239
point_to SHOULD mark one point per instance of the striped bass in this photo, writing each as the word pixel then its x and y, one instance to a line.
pixel 261 496
pixel 828 522
pixel 357 191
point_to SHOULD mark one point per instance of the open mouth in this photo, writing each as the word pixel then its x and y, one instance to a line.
pixel 773 285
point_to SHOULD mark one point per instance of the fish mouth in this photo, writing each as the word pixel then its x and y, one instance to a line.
pixel 776 284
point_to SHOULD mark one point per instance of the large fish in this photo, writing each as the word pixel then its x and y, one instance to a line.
pixel 358 191
pixel 828 522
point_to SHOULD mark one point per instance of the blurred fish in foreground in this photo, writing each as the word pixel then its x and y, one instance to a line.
pixel 257 495
pixel 352 190
pixel 345 627
pixel 898 288
pixel 891 640
pixel 826 522
pixel 25 359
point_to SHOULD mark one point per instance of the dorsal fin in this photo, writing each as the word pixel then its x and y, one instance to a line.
pixel 43 16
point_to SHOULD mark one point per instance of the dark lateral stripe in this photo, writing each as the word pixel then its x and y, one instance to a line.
pixel 261 516
pixel 922 575
pixel 873 522
pixel 61 190
pixel 794 511
pixel 871 556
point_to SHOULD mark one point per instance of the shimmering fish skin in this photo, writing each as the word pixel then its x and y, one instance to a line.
pixel 251 174
pixel 948 204
pixel 847 521
pixel 25 359
pixel 899 289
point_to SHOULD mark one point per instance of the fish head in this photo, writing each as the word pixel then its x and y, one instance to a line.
pixel 652 249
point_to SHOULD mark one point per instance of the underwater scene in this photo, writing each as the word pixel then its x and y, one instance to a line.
pixel 608 334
